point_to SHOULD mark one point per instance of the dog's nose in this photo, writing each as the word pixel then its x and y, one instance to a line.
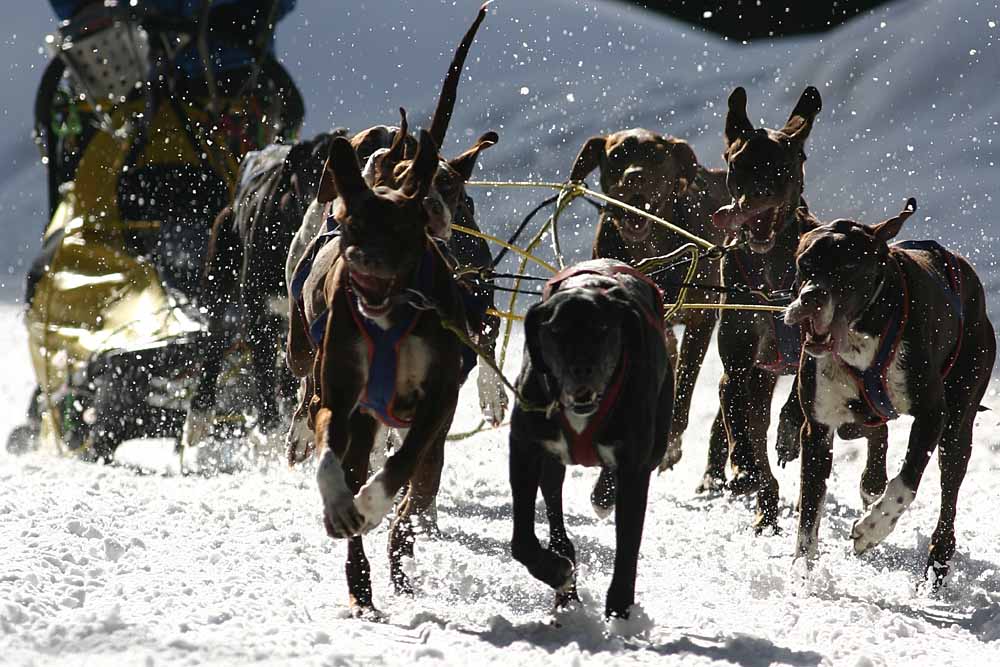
pixel 814 297
pixel 355 255
pixel 581 371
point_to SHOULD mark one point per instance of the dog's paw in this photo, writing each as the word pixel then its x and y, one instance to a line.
pixel 672 456
pixel 712 484
pixel 266 442
pixel 340 517
pixel 492 397
pixel 882 518
pixel 602 497
pixel 373 503
pixel 787 449
pixel 298 441
pixel 197 427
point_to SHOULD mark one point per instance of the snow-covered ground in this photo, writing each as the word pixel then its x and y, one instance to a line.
pixel 103 565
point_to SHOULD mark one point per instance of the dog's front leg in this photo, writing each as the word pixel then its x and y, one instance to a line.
pixel 694 345
pixel 552 478
pixel 817 460
pixel 630 516
pixel 881 519
pixel 546 565
pixel 437 407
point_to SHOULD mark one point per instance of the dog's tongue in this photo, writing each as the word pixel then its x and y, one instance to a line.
pixel 372 288
pixel 729 218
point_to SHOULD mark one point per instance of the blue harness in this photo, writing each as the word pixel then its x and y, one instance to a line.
pixel 872 382
pixel 383 344
pixel 788 337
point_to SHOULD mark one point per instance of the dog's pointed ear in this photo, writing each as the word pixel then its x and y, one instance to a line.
pixel 466 162
pixel 387 162
pixel 800 122
pixel 341 174
pixel 738 125
pixel 684 157
pixel 419 177
pixel 886 231
pixel 538 313
pixel 591 157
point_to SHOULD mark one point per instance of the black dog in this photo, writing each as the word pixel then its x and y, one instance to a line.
pixel 889 330
pixel 596 388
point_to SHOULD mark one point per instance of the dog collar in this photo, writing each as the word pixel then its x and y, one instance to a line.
pixel 582 448
pixel 654 319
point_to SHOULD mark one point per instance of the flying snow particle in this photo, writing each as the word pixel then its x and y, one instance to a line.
pixel 570 97
pixel 525 90
pixel 706 15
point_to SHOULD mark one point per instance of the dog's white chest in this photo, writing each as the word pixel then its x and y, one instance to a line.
pixel 837 388
pixel 559 447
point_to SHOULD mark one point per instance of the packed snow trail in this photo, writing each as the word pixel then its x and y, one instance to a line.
pixel 106 565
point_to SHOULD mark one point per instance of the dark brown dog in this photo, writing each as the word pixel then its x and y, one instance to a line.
pixel 384 250
pixel 889 330
pixel 766 178
pixel 662 175
pixel 595 354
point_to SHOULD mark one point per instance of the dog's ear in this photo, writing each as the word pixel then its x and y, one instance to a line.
pixel 800 122
pixel 684 157
pixel 538 313
pixel 466 162
pixel 591 157
pixel 342 175
pixel 738 124
pixel 386 163
pixel 419 177
pixel 886 231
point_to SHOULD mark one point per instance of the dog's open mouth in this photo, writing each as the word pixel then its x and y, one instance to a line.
pixel 583 402
pixel 374 292
pixel 762 223
pixel 634 228
pixel 818 340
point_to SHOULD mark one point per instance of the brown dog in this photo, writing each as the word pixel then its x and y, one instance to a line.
pixel 380 360
pixel 766 179
pixel 889 329
pixel 662 175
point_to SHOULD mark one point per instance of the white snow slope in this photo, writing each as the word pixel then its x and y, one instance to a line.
pixel 101 565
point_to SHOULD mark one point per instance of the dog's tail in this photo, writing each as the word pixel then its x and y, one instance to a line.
pixel 449 91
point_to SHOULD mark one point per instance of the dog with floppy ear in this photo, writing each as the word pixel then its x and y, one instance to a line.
pixel 889 330
pixel 766 179
pixel 381 362
pixel 595 389
pixel 662 175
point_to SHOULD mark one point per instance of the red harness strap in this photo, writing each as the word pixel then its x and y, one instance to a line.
pixel 582 449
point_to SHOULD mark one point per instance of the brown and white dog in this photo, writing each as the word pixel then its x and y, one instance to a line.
pixel 766 178
pixel 889 330
pixel 387 153
pixel 662 175
pixel 362 282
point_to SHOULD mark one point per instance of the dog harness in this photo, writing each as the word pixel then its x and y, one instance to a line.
pixel 872 382
pixel 788 337
pixel 582 445
pixel 379 396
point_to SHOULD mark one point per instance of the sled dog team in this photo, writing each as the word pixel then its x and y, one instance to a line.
pixel 378 326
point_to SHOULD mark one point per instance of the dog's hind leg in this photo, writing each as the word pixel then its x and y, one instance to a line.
pixel 420 495
pixel 630 517
pixel 790 423
pixel 552 478
pixel 694 345
pixel 714 479
pixel 358 570
pixel 874 478
pixel 954 451
pixel 546 565
pixel 602 498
